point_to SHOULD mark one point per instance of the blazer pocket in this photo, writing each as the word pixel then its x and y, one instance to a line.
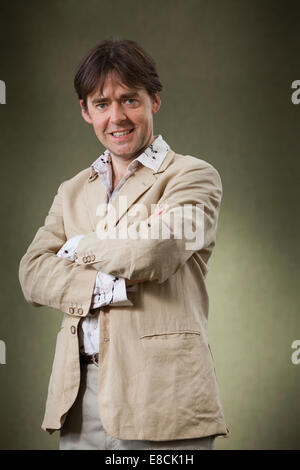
pixel 178 334
pixel 171 351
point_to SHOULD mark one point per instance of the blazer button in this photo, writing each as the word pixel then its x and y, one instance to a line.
pixel 80 311
pixel 73 330
pixel 88 259
pixel 71 310
pixel 105 227
pixel 84 259
pixel 93 257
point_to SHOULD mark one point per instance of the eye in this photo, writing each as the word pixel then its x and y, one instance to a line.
pixel 131 101
pixel 101 105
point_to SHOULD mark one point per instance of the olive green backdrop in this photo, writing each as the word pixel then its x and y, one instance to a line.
pixel 227 69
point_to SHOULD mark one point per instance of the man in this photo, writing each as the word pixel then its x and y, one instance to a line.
pixel 124 253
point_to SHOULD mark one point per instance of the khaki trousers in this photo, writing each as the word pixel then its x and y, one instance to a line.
pixel 83 429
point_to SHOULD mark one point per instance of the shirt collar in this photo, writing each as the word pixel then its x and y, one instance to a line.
pixel 152 157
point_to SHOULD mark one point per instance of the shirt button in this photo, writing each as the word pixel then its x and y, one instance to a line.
pixel 105 340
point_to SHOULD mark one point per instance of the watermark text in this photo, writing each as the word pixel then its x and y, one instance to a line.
pixel 2 352
pixel 2 92
pixel 295 358
pixel 182 222
pixel 296 94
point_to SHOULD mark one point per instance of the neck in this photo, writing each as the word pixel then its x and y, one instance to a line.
pixel 119 168
pixel 120 164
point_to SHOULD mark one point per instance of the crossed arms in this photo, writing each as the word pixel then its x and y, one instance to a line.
pixel 108 289
pixel 49 280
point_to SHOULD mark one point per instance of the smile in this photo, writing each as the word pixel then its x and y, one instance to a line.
pixel 121 135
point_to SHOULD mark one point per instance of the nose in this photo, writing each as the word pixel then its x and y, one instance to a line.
pixel 117 113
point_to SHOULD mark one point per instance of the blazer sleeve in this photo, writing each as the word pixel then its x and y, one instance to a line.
pixel 48 280
pixel 158 258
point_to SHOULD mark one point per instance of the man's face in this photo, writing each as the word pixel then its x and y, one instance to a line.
pixel 122 110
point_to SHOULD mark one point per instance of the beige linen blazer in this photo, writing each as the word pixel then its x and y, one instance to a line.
pixel 157 379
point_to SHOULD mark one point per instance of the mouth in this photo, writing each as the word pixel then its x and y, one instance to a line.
pixel 122 135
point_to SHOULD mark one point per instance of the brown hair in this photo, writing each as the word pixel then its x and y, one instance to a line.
pixel 132 64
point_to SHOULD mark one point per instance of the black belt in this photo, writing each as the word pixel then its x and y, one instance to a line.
pixel 89 358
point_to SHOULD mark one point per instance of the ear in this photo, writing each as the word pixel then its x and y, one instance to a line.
pixel 156 102
pixel 85 112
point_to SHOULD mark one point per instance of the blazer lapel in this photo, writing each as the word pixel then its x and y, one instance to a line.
pixel 138 183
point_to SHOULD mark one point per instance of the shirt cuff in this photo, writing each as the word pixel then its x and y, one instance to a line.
pixel 69 249
pixel 109 290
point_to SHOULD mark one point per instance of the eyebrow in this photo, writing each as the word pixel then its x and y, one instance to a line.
pixel 124 96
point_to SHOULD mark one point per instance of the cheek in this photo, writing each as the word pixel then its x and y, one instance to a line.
pixel 98 126
pixel 140 116
pixel 144 120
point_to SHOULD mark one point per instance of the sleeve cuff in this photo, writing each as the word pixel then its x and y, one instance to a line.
pixel 120 293
pixel 109 290
pixel 69 249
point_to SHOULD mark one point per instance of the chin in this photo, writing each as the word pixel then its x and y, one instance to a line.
pixel 124 151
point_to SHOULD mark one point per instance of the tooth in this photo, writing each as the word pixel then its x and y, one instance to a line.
pixel 119 134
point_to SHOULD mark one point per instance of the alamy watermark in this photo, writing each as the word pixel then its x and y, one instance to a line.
pixel 295 357
pixel 2 352
pixel 185 222
pixel 2 92
pixel 296 94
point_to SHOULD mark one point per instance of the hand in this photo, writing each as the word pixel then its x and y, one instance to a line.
pixel 131 282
